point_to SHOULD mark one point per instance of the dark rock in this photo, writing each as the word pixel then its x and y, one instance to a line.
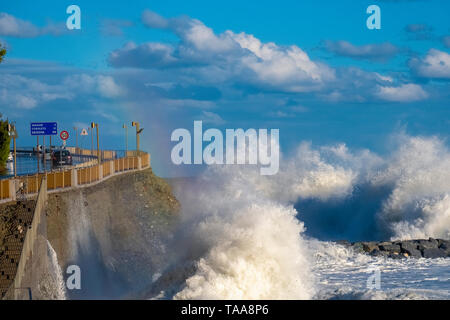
pixel 414 253
pixel 410 248
pixel 395 255
pixel 378 253
pixel 390 247
pixel 444 244
pixel 431 248
pixel 434 253
pixel 428 244
pixel 369 246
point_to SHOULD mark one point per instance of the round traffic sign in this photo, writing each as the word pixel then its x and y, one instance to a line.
pixel 64 135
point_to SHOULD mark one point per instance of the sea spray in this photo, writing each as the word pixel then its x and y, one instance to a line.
pixel 257 254
pixel 253 245
pixel 79 226
pixel 58 284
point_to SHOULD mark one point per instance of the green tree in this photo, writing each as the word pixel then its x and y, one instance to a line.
pixel 5 139
pixel 2 52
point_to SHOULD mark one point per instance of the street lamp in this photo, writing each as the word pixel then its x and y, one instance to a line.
pixel 95 125
pixel 126 139
pixel 76 139
pixel 13 134
pixel 138 132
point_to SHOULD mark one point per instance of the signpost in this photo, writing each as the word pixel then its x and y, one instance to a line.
pixel 64 135
pixel 43 129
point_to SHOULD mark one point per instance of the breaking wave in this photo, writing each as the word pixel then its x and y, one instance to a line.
pixel 253 245
pixel 249 234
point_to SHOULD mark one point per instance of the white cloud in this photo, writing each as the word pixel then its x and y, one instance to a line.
pixel 108 87
pixel 228 56
pixel 436 64
pixel 403 93
pixel 27 93
pixel 15 27
pixel 102 85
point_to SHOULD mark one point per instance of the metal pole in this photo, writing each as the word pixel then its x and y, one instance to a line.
pixel 43 154
pixel 51 160
pixel 126 139
pixel 98 146
pixel 15 155
pixel 92 141
pixel 137 137
pixel 76 139
pixel 37 154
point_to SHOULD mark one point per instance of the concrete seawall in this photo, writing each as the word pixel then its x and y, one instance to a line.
pixel 114 231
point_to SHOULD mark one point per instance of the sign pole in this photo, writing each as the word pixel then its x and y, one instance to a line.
pixel 43 153
pixel 15 154
pixel 76 139
pixel 37 154
pixel 51 162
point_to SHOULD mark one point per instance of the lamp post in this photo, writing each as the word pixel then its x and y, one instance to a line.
pixel 138 132
pixel 76 139
pixel 92 141
pixel 13 133
pixel 126 139
pixel 95 125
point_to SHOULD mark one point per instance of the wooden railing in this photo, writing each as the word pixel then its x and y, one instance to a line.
pixel 81 174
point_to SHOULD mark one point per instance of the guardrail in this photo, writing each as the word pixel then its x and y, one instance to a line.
pixel 82 174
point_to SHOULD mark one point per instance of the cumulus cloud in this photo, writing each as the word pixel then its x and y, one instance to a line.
pixel 225 56
pixel 436 64
pixel 374 52
pixel 102 85
pixel 15 27
pixel 403 93
pixel 213 66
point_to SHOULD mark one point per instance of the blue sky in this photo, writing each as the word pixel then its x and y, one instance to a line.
pixel 312 69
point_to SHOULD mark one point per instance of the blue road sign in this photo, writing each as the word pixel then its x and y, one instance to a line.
pixel 44 128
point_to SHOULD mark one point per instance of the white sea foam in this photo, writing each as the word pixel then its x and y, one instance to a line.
pixel 252 243
pixel 254 248
pixel 59 286
pixel 419 205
